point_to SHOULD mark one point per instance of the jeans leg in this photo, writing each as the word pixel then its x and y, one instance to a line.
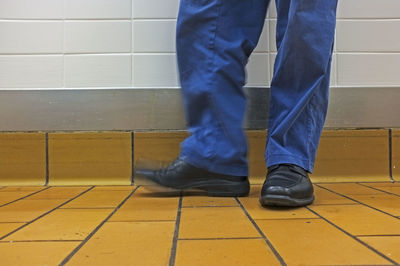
pixel 300 84
pixel 214 40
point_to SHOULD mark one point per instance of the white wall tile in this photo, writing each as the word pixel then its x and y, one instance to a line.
pixel 272 35
pixel 258 70
pixel 154 36
pixel 97 36
pixel 155 70
pixel 98 70
pixel 31 71
pixel 368 35
pixel 31 37
pixel 272 9
pixel 31 9
pixel 155 8
pixel 369 9
pixel 368 69
pixel 98 9
pixel 263 43
pixel 367 32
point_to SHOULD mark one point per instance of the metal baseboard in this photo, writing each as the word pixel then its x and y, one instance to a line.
pixel 161 109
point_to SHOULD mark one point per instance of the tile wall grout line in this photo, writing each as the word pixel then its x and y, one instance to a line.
pixel 88 208
pixel 24 197
pixel 132 42
pixel 352 182
pixel 354 237
pixel 219 238
pixel 269 244
pixel 44 214
pixel 286 219
pixel 194 207
pixel 376 235
pixel 174 247
pixel 63 44
pixel 66 259
pixel 359 202
pixel 336 204
pixel 391 155
pixel 133 157
pixel 143 221
pixel 47 160
pixel 40 241
pixel 378 189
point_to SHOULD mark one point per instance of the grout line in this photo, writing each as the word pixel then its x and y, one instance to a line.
pixel 336 204
pixel 276 253
pixel 40 241
pixel 132 30
pixel 143 221
pixel 77 53
pixel 378 189
pixel 219 238
pixel 5 204
pixel 96 229
pixel 390 155
pixel 47 159
pixel 355 238
pixel 63 44
pixel 44 214
pixel 194 207
pixel 133 157
pixel 359 202
pixel 360 264
pixel 377 235
pixel 287 219
pixel 176 233
pixel 127 19
pixel 351 182
pixel 88 208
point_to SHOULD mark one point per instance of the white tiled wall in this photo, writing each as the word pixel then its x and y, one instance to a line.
pixel 131 43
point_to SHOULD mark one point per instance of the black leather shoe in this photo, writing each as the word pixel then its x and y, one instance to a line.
pixel 287 185
pixel 182 175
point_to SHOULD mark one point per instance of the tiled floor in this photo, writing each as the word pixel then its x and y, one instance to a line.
pixel 348 224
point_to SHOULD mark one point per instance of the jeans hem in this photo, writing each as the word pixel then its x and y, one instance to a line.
pixel 275 159
pixel 211 165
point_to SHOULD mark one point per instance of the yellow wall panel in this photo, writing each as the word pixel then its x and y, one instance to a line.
pixel 22 159
pixel 256 140
pixel 160 147
pixel 102 158
pixel 352 155
pixel 155 149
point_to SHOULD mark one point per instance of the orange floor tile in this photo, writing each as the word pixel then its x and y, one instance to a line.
pixel 348 224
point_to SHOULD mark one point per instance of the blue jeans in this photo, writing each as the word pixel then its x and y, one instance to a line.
pixel 214 41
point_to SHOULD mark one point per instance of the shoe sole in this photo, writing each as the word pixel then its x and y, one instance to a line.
pixel 285 201
pixel 219 188
pixel 214 188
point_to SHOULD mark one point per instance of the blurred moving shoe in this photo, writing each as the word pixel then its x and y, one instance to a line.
pixel 182 175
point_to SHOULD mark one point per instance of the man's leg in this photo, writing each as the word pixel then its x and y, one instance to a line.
pixel 214 40
pixel 299 96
